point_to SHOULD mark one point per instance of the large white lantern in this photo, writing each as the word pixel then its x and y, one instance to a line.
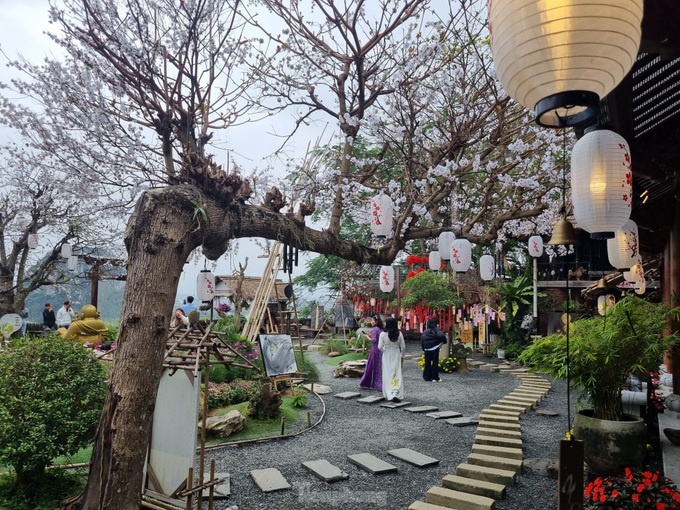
pixel 381 215
pixel 487 267
pixel 72 263
pixel 435 261
pixel 66 250
pixel 623 249
pixel 445 240
pixel 605 304
pixel 535 246
pixel 386 278
pixel 205 285
pixel 601 183
pixel 461 255
pixel 638 274
pixel 561 58
pixel 33 241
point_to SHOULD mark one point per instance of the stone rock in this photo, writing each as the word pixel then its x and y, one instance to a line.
pixel 350 369
pixel 333 354
pixel 224 426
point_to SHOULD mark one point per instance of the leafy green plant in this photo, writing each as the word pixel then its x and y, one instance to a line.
pixel 307 367
pixel 459 350
pixel 334 345
pixel 299 398
pixel 43 493
pixel 51 396
pixel 605 351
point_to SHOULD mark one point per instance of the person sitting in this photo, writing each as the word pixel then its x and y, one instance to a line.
pixel 179 318
pixel 88 330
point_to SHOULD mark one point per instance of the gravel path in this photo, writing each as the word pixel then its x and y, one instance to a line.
pixel 350 427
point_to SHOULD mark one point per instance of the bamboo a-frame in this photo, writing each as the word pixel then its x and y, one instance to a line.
pixel 259 305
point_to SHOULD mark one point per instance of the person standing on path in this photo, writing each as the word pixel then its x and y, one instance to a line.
pixel 391 344
pixel 372 377
pixel 431 341
pixel 65 315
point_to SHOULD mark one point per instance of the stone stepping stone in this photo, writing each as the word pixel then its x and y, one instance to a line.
pixel 320 389
pixel 421 409
pixel 346 395
pixel 371 400
pixel 545 412
pixel 269 480
pixel 371 463
pixel 444 414
pixel 395 405
pixel 325 471
pixel 465 421
pixel 413 457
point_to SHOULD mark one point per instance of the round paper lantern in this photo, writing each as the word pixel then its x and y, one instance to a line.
pixel 386 278
pixel 72 263
pixel 487 267
pixel 623 248
pixel 33 241
pixel 445 240
pixel 605 303
pixel 435 261
pixel 638 274
pixel 601 183
pixel 461 255
pixel 535 246
pixel 381 215
pixel 205 285
pixel 561 58
pixel 66 250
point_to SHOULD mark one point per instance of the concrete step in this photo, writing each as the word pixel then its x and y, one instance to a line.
pixel 421 409
pixel 501 412
pixel 524 406
pixel 421 505
pixel 500 425
pixel 488 474
pixel 480 459
pixel 507 408
pixel 489 430
pixel 346 395
pixel 464 421
pixel 325 471
pixel 498 441
pixel 269 480
pixel 450 498
pixel 528 401
pixel 498 451
pixel 487 416
pixel 371 463
pixel 473 486
pixel 395 405
pixel 372 399
pixel 476 364
pixel 444 414
pixel 413 457
pixel 526 392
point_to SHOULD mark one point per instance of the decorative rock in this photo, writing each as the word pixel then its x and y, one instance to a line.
pixel 319 389
pixel 350 369
pixel 545 412
pixel 224 426
pixel 334 354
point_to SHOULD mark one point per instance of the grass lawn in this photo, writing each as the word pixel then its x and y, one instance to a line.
pixel 350 356
pixel 254 429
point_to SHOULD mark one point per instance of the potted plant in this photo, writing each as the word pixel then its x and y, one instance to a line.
pixel 603 353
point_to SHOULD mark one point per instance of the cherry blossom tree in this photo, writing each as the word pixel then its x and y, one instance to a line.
pixel 131 108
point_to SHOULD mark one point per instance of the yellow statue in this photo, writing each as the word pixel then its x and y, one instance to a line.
pixel 90 329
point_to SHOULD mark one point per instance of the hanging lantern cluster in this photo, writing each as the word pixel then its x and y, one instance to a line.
pixel 205 285
pixel 382 210
pixel 435 261
pixel 561 58
pixel 535 246
pixel 461 255
pixel 386 278
pixel 487 267
pixel 601 183
pixel 623 249
pixel 445 240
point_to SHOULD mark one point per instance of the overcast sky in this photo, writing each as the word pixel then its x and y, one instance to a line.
pixel 22 23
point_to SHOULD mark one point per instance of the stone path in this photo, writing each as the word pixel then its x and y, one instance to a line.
pixel 492 466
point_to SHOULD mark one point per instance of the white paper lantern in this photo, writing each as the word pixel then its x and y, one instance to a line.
pixel 628 276
pixel 487 267
pixel 72 263
pixel 552 55
pixel 381 215
pixel 33 241
pixel 601 183
pixel 205 285
pixel 66 250
pixel 638 274
pixel 386 278
pixel 445 240
pixel 535 246
pixel 623 248
pixel 605 304
pixel 435 261
pixel 461 255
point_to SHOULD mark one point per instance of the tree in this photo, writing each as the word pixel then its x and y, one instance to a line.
pixel 144 85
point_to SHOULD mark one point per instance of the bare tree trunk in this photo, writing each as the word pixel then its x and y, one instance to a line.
pixel 159 240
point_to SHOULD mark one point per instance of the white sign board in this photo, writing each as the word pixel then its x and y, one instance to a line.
pixel 10 323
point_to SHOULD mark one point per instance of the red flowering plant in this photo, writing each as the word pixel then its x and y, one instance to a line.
pixel 632 490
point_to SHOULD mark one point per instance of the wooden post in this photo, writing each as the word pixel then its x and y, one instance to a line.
pixel 570 475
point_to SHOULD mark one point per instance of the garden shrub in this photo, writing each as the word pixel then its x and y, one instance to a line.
pixel 334 345
pixel 307 367
pixel 229 393
pixel 51 395
pixel 265 405
pixel 299 398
